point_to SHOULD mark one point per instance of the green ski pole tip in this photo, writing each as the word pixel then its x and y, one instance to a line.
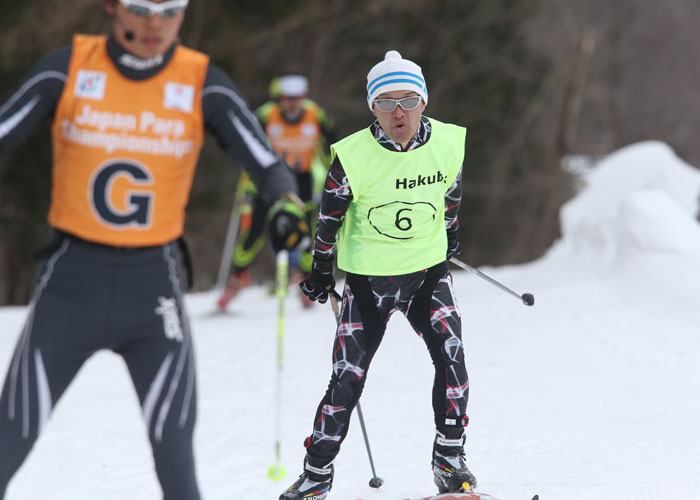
pixel 276 473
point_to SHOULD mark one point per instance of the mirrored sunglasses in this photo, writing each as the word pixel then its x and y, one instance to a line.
pixel 145 8
pixel 407 103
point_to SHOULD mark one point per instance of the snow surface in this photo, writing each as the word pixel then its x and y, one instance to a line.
pixel 592 393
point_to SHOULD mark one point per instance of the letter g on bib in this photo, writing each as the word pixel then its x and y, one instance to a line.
pixel 118 195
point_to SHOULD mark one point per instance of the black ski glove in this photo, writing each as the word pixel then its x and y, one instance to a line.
pixel 319 283
pixel 288 227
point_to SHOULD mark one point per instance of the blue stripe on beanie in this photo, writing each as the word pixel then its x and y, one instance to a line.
pixel 397 80
pixel 397 73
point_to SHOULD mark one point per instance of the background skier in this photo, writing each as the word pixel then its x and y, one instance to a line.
pixel 300 131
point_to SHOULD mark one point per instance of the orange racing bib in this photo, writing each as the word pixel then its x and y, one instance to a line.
pixel 295 142
pixel 125 151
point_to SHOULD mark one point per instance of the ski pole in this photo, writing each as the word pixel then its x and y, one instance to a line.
pixel 276 471
pixel 527 298
pixel 230 242
pixel 376 481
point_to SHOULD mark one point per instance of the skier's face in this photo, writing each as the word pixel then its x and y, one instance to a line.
pixel 400 125
pixel 146 33
pixel 291 106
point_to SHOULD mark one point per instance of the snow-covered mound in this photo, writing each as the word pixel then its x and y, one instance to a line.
pixel 641 199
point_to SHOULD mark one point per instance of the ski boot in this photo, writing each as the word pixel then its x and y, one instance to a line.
pixel 450 471
pixel 313 484
pixel 236 283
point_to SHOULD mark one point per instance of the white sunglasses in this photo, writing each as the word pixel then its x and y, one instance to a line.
pixel 145 8
pixel 406 103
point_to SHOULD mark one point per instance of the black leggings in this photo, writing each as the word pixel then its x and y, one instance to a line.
pixel 426 299
pixel 90 297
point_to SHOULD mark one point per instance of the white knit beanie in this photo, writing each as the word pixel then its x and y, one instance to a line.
pixel 293 85
pixel 395 73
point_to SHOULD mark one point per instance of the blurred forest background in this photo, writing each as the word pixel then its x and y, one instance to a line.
pixel 535 81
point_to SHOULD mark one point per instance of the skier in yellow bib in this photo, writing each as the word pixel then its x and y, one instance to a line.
pixel 389 210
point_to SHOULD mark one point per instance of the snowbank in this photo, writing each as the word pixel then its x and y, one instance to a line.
pixel 640 199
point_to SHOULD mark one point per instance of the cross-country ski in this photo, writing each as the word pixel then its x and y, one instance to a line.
pixel 462 496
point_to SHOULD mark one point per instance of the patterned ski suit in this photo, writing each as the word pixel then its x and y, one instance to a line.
pixel 425 297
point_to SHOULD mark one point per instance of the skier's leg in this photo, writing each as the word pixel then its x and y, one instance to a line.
pixel 358 336
pixel 301 259
pixel 251 236
pixel 305 185
pixel 163 375
pixel 434 315
pixel 360 331
pixel 50 351
pixel 249 243
pixel 160 358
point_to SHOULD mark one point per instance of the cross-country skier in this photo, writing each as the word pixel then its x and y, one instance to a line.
pixel 128 116
pixel 300 131
pixel 391 202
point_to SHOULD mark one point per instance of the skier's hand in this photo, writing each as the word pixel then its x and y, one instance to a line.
pixel 318 285
pixel 288 227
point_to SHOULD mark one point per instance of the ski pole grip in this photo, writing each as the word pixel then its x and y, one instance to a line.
pixel 335 300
